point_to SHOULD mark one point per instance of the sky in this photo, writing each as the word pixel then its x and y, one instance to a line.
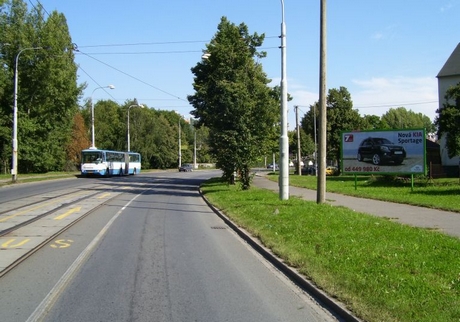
pixel 386 53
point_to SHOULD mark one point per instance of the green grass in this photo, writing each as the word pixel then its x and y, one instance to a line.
pixel 5 179
pixel 437 193
pixel 381 270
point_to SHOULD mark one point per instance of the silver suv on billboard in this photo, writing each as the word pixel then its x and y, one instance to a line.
pixel 380 151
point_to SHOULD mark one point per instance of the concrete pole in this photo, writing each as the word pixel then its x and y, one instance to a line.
pixel 321 183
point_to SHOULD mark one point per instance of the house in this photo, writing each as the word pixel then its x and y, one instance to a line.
pixel 449 75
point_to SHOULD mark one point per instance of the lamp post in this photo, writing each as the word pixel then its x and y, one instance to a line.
pixel 134 105
pixel 284 145
pixel 93 146
pixel 14 165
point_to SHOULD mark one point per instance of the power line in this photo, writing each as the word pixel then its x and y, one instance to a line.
pixel 155 43
pixel 99 85
pixel 155 52
pixel 389 104
pixel 397 104
pixel 145 43
pixel 135 78
pixel 145 52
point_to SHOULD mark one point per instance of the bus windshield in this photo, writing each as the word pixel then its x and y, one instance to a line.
pixel 91 157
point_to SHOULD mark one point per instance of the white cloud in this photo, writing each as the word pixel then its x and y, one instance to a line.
pixel 377 35
pixel 376 96
pixel 446 7
pixel 388 33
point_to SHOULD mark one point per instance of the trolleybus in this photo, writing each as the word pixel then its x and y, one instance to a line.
pixel 107 163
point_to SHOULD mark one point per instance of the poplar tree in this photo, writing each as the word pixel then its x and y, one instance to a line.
pixel 48 92
pixel 232 98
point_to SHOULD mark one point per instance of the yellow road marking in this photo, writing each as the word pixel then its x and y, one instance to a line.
pixel 9 244
pixel 104 195
pixel 36 207
pixel 71 211
pixel 62 243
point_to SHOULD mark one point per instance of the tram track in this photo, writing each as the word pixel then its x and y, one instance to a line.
pixel 50 212
pixel 42 198
pixel 11 237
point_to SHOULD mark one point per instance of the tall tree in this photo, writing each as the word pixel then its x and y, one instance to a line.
pixel 48 91
pixel 401 118
pixel 233 100
pixel 160 143
pixel 372 122
pixel 78 142
pixel 340 117
pixel 307 145
pixel 308 126
pixel 109 126
pixel 448 120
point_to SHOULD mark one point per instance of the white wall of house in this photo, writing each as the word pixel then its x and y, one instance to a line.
pixel 447 77
pixel 443 85
pixel 445 160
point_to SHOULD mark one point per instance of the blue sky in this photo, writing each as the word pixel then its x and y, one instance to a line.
pixel 386 53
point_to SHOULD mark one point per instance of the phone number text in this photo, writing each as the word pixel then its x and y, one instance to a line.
pixel 362 169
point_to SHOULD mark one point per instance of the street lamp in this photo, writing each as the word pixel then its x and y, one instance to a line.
pixel 135 105
pixel 93 146
pixel 284 145
pixel 14 165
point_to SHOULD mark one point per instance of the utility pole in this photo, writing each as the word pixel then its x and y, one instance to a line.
pixel 321 183
pixel 299 166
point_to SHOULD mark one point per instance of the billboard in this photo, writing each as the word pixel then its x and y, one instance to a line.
pixel 384 152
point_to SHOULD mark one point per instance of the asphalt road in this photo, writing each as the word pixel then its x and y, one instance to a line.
pixel 156 252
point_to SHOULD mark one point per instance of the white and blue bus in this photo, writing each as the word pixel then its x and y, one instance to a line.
pixel 109 163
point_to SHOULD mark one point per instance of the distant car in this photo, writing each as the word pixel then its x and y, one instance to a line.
pixel 380 150
pixel 330 170
pixel 186 168
pixel 270 167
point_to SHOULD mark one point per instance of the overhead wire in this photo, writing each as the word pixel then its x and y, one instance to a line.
pixel 133 77
pixel 90 55
pixel 398 104
pixel 102 87
pixel 76 49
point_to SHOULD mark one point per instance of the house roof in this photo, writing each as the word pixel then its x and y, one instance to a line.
pixel 452 65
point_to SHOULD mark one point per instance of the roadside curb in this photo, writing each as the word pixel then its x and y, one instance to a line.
pixel 320 296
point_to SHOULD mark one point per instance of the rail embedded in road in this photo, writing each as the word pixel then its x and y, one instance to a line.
pixel 26 225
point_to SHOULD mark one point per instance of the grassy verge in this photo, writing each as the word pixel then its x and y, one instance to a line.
pixel 438 193
pixel 5 179
pixel 381 270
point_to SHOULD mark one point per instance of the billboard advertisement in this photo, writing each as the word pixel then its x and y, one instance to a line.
pixel 384 152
